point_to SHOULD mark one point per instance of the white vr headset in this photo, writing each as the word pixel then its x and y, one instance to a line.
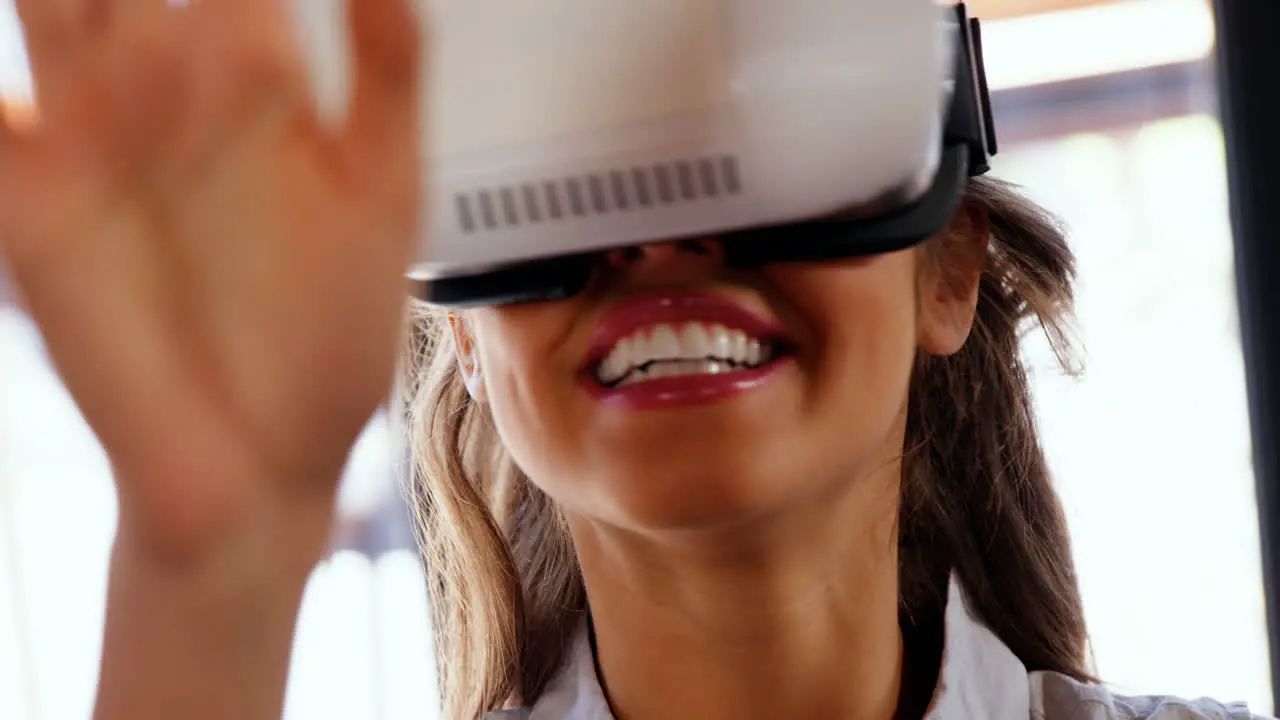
pixel 797 130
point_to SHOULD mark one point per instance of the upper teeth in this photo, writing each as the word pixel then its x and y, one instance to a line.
pixel 692 341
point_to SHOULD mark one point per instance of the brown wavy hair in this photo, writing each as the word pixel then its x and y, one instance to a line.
pixel 506 591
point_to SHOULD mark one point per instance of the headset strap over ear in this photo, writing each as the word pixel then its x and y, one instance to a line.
pixel 971 121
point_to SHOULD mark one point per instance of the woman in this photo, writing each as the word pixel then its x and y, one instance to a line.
pixel 845 513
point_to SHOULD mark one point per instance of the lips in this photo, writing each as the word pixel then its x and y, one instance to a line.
pixel 675 348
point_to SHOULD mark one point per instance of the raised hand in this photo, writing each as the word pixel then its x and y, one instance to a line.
pixel 219 279
pixel 218 276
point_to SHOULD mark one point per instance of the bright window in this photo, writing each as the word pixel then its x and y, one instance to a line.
pixel 1151 447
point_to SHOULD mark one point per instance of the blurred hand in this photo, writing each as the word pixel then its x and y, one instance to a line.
pixel 218 276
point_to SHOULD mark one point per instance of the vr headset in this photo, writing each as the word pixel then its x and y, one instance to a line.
pixel 803 130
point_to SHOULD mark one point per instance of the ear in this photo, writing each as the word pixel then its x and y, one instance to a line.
pixel 464 344
pixel 951 272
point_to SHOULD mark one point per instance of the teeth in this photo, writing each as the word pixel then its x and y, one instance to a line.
pixel 676 368
pixel 694 348
pixel 664 344
pixel 738 343
pixel 618 361
pixel 721 341
pixel 695 342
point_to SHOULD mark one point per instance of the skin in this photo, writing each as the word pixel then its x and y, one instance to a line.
pixel 218 279
pixel 749 569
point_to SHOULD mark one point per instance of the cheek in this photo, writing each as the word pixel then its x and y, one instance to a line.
pixel 527 358
pixel 864 323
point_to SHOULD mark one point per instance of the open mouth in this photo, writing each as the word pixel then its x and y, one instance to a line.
pixel 668 350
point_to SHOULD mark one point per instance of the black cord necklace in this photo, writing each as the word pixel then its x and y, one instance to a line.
pixel 595 662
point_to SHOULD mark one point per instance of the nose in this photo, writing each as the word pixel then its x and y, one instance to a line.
pixel 674 256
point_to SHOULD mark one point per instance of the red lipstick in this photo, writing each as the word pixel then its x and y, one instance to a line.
pixel 678 309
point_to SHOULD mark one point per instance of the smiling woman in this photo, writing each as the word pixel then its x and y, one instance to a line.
pixel 718 488
pixel 887 444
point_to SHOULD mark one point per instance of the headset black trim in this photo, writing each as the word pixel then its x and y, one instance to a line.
pixel 540 280
pixel 971 122
pixel 969 142
pixel 836 239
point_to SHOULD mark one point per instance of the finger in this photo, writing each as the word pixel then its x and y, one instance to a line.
pixel 246 51
pixel 384 123
pixel 8 143
pixel 17 141
pixel 82 51
pixel 47 193
pixel 17 114
pixel 54 29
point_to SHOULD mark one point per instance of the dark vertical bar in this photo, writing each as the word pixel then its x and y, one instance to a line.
pixel 486 210
pixel 598 201
pixel 465 217
pixel 641 178
pixel 707 172
pixel 576 203
pixel 509 211
pixel 532 209
pixel 553 200
pixel 684 175
pixel 665 193
pixel 1249 85
pixel 619 183
pixel 732 180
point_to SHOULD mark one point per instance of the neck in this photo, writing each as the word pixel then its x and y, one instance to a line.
pixel 793 616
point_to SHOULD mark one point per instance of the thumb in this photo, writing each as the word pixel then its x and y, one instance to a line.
pixel 14 147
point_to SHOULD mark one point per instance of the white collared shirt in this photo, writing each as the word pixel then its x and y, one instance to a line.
pixel 981 679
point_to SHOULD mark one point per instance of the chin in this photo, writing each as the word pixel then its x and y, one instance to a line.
pixel 671 491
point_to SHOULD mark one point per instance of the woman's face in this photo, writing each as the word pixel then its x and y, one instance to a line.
pixel 677 393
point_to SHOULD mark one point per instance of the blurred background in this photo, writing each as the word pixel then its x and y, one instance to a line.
pixel 1106 112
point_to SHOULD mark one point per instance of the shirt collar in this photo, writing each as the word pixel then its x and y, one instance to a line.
pixel 980 678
